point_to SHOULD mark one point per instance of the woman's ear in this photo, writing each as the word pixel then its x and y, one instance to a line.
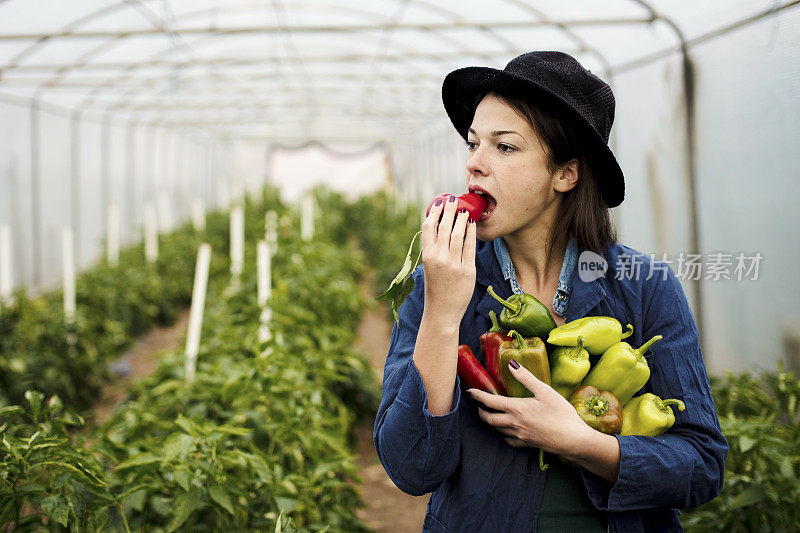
pixel 566 177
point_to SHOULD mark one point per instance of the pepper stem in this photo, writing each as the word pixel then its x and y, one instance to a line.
pixel 666 403
pixel 627 333
pixel 519 338
pixel 646 346
pixel 542 465
pixel 495 323
pixel 579 346
pixel 508 305
pixel 597 405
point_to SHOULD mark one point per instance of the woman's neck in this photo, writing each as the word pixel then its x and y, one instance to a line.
pixel 536 269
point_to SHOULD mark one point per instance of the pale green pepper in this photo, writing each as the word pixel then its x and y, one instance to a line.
pixel 622 370
pixel 600 332
pixel 649 415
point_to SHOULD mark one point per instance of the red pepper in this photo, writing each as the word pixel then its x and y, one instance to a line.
pixel 473 203
pixel 490 346
pixel 471 371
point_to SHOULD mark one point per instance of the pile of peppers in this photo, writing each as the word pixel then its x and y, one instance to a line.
pixel 601 394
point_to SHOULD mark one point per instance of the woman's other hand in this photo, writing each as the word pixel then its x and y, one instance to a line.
pixel 448 259
pixel 548 421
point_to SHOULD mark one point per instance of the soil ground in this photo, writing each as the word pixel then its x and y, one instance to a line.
pixel 389 510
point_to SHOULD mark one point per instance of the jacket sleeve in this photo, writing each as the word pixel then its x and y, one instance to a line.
pixel 684 467
pixel 419 450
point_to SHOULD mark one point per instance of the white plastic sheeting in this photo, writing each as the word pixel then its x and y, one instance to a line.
pixel 164 102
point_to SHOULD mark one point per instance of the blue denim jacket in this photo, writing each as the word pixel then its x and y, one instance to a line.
pixel 480 483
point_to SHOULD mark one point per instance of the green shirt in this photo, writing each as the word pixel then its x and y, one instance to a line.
pixel 565 504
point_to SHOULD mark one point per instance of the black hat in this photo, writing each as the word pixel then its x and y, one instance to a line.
pixel 551 79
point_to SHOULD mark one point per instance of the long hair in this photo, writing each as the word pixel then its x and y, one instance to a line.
pixel 583 212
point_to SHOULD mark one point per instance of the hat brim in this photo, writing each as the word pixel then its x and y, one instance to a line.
pixel 462 87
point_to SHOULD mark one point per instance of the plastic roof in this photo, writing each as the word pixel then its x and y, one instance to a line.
pixel 315 69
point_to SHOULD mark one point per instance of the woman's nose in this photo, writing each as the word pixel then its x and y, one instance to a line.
pixel 476 163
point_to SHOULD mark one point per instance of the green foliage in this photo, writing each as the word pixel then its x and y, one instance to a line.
pixel 47 479
pixel 760 418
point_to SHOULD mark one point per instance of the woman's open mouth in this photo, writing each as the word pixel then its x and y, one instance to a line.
pixel 491 204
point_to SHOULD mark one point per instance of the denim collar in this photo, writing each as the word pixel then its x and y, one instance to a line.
pixel 561 298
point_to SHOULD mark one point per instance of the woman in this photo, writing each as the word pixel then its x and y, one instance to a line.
pixel 537 136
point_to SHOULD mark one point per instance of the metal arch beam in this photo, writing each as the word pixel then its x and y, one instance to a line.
pixel 584 46
pixel 237 61
pixel 42 39
pixel 344 28
pixel 361 12
pixel 184 16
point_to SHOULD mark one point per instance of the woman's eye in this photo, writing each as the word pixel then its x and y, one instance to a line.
pixel 471 145
pixel 505 148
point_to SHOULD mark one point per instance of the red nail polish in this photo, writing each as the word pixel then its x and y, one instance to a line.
pixel 513 364
pixel 451 199
pixel 437 202
pixel 462 211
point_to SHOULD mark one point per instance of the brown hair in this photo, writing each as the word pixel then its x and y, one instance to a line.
pixel 583 212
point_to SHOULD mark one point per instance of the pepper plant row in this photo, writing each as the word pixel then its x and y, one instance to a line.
pixel 263 428
pixel 115 304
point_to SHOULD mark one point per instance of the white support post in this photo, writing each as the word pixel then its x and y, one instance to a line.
pixel 237 240
pixel 150 233
pixel 271 233
pixel 68 271
pixel 264 290
pixel 307 218
pixel 196 311
pixel 5 265
pixel 198 215
pixel 112 235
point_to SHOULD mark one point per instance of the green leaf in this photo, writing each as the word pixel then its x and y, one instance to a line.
pixel 136 500
pixel 11 409
pixel 183 476
pixel 219 495
pixel 286 504
pixel 139 459
pixel 183 505
pixel 177 444
pixel 232 430
pixel 56 507
pixel 745 443
pixel 285 524
pixel 35 399
pixel 399 288
pixel 747 497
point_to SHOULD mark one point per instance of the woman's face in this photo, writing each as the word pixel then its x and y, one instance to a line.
pixel 508 163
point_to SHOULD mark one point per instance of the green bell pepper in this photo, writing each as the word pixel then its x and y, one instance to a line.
pixel 526 314
pixel 621 370
pixel 601 333
pixel 530 353
pixel 568 366
pixel 649 415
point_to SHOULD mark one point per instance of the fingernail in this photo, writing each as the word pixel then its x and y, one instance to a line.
pixel 471 220
pixel 437 202
pixel 462 210
pixel 452 198
pixel 513 364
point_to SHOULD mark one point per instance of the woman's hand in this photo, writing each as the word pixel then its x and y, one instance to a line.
pixel 548 421
pixel 448 259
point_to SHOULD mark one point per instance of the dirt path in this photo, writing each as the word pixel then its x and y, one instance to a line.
pixel 389 510
pixel 141 359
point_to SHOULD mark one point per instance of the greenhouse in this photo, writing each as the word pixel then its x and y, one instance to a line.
pixel 212 223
